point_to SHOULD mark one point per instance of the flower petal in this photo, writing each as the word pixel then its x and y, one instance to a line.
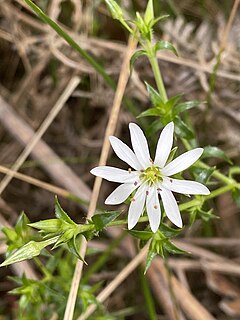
pixel 182 162
pixel 115 174
pixel 140 145
pixel 124 153
pixel 136 206
pixel 171 207
pixel 153 209
pixel 121 193
pixel 184 186
pixel 164 145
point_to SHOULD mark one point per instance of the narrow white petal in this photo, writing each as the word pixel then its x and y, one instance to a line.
pixel 115 174
pixel 124 153
pixel 140 145
pixel 182 162
pixel 185 186
pixel 153 209
pixel 164 145
pixel 171 207
pixel 136 207
pixel 121 193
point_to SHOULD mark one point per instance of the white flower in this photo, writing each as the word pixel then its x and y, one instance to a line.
pixel 150 178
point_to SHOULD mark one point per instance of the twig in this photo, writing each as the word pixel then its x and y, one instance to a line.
pixel 123 79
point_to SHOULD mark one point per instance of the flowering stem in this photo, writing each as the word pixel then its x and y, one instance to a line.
pixel 158 77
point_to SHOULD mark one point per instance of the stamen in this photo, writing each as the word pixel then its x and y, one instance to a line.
pixel 155 206
pixel 151 161
pixel 147 193
pixel 159 189
pixel 141 170
pixel 171 180
pixel 129 170
pixel 132 199
pixel 135 183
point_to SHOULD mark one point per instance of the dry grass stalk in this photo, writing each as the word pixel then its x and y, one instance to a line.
pixel 123 79
pixel 45 125
pixel 36 182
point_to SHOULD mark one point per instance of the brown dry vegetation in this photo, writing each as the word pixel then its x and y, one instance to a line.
pixel 36 67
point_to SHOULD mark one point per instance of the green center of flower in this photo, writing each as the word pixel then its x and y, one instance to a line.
pixel 152 175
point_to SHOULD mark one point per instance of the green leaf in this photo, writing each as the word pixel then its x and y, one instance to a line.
pixel 61 214
pixel 10 234
pixel 28 251
pixel 170 247
pixel 172 154
pixel 142 235
pixel 182 130
pixel 50 225
pixel 154 96
pixel 236 196
pixel 102 219
pixel 152 112
pixel 215 152
pixel 207 215
pixel 115 9
pixel 74 249
pixel 203 174
pixel 150 256
pixel 165 45
pixel 153 22
pixel 168 231
pixel 65 237
pixel 21 225
pixel 149 13
pixel 135 56
pixel 185 106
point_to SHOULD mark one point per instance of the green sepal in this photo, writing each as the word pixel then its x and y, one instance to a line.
pixel 164 45
pixel 182 130
pixel 72 246
pixel 47 226
pixel 150 256
pixel 169 232
pixel 135 56
pixel 21 226
pixel 149 13
pixel 172 248
pixel 61 214
pixel 215 152
pixel 181 107
pixel 142 235
pixel 28 251
pixel 65 237
pixel 115 9
pixel 100 220
pixel 172 155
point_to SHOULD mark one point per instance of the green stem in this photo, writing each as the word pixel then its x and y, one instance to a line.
pixel 158 77
pixel 43 269
pixel 147 295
